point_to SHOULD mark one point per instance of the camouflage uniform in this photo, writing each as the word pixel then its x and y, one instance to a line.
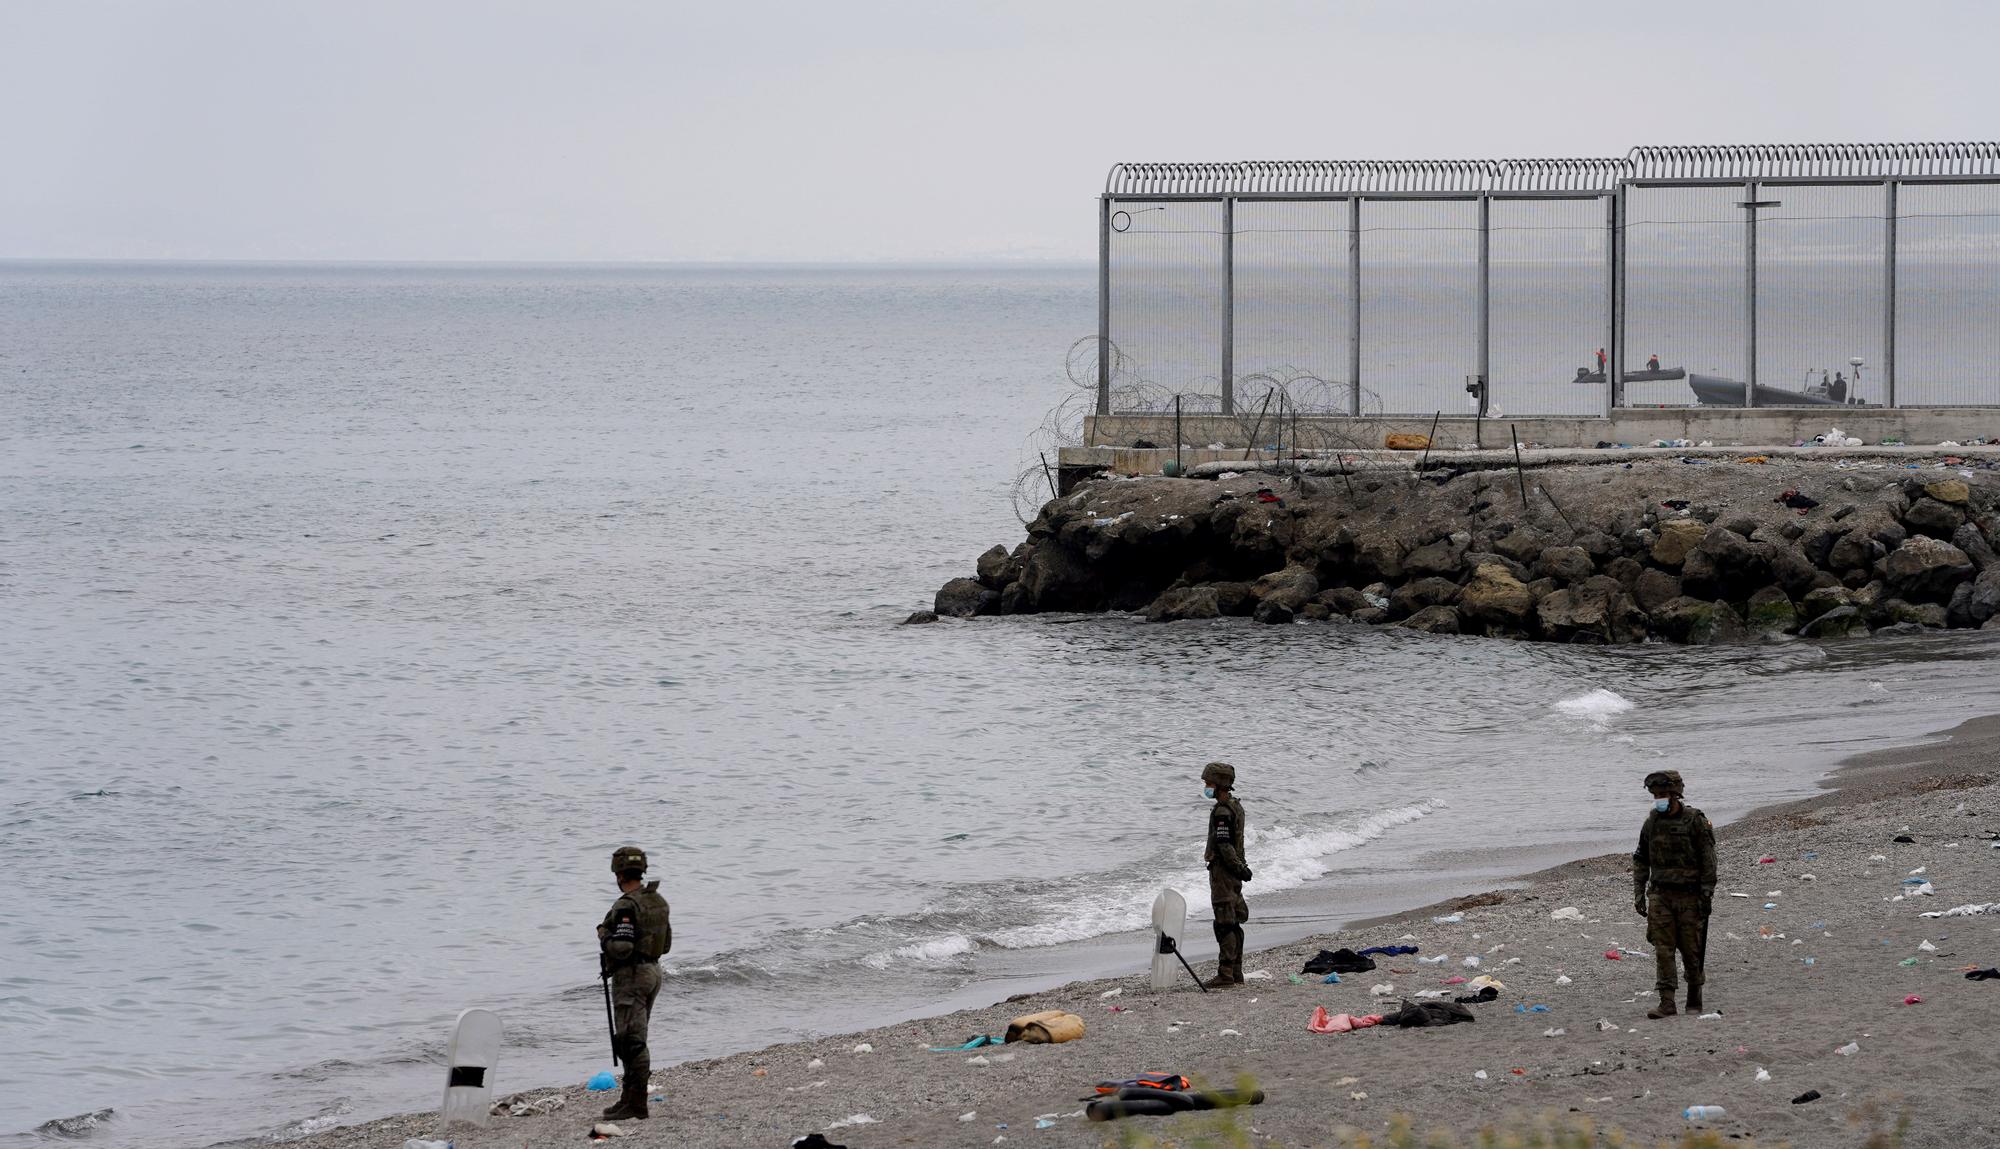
pixel 1226 874
pixel 1673 875
pixel 634 934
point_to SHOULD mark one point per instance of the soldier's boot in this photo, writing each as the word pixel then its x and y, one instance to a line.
pixel 1694 999
pixel 1666 1006
pixel 1220 981
pixel 631 1104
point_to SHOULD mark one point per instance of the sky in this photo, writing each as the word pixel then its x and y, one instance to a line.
pixel 859 130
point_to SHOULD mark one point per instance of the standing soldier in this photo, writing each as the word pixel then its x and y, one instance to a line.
pixel 1226 873
pixel 1676 856
pixel 632 937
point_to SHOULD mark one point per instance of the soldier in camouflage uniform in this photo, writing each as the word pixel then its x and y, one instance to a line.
pixel 1673 887
pixel 631 939
pixel 1226 873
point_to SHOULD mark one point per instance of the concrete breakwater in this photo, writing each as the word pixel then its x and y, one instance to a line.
pixel 1610 550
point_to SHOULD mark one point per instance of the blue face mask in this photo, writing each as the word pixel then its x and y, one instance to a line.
pixel 1208 791
pixel 1661 804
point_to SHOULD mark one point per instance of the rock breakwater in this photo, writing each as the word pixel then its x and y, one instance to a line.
pixel 1610 552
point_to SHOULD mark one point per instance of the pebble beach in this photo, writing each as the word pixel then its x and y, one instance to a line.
pixel 1819 939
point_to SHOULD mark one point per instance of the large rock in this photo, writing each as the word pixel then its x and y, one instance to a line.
pixel 1770 611
pixel 1291 588
pixel 1699 578
pixel 1476 559
pixel 1439 558
pixel 1496 598
pixel 1342 599
pixel 966 597
pixel 1564 564
pixel 1674 539
pixel 1379 557
pixel 1933 518
pixel 1184 602
pixel 1928 615
pixel 1415 596
pixel 1836 623
pixel 1854 550
pixel 1953 491
pixel 1972 541
pixel 1433 620
pixel 996 568
pixel 1053 578
pixel 1625 570
pixel 1698 623
pixel 1596 610
pixel 1234 599
pixel 1792 570
pixel 1739 563
pixel 1523 545
pixel 1654 588
pixel 1819 600
pixel 1273 612
pixel 1983 601
pixel 1924 569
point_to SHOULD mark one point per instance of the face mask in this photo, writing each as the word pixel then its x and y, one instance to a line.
pixel 1661 804
pixel 1208 791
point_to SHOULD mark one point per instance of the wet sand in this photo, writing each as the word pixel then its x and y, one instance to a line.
pixel 1830 972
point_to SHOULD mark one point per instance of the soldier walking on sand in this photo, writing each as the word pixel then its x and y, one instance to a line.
pixel 631 939
pixel 1673 888
pixel 1226 873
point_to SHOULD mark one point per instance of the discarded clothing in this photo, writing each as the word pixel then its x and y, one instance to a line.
pixel 1049 1027
pixel 1982 974
pixel 1323 1022
pixel 1808 1095
pixel 1487 994
pixel 1524 1008
pixel 1338 961
pixel 979 1041
pixel 1904 838
pixel 1386 951
pixel 1797 501
pixel 1970 909
pixel 1144 1102
pixel 1172 1081
pixel 1423 1014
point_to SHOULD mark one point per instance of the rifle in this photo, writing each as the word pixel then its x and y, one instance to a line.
pixel 604 978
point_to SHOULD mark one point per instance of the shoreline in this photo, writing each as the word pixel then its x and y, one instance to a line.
pixel 1765 992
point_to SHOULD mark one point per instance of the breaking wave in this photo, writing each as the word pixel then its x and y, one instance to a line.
pixel 1598 707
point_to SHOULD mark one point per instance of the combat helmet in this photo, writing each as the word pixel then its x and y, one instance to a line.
pixel 628 858
pixel 1668 780
pixel 1220 775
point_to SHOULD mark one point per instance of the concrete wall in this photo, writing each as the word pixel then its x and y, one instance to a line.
pixel 1724 426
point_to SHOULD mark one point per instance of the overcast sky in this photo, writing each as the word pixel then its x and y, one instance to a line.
pixel 748 130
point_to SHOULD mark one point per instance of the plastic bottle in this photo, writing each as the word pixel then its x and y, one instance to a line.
pixel 1703 1112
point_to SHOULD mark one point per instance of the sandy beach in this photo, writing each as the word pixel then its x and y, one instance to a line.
pixel 1815 944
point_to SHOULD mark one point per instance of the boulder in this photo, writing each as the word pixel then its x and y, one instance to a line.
pixel 1380 557
pixel 1699 576
pixel 1698 623
pixel 1770 611
pixel 1625 570
pixel 1983 600
pixel 1738 562
pixel 1523 545
pixel 1928 615
pixel 1817 543
pixel 1598 545
pixel 996 568
pixel 1674 539
pixel 1653 588
pixel 1972 541
pixel 1822 599
pixel 1316 611
pixel 1014 600
pixel 1433 620
pixel 1565 564
pixel 1372 615
pixel 1952 491
pixel 1495 597
pixel 1291 588
pixel 1596 610
pixel 1234 599
pixel 1742 525
pixel 1854 550
pixel 1836 623
pixel 1933 518
pixel 1341 599
pixel 1439 558
pixel 1792 570
pixel 1273 612
pixel 1053 578
pixel 1184 602
pixel 1924 569
pixel 1476 559
pixel 966 597
pixel 1868 599
pixel 918 618
pixel 1415 596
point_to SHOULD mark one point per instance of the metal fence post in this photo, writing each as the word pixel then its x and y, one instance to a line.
pixel 1104 305
pixel 1889 188
pixel 1485 300
pixel 1229 305
pixel 1750 294
pixel 1354 305
pixel 1614 249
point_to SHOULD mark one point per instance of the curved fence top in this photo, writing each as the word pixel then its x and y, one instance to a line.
pixel 1573 174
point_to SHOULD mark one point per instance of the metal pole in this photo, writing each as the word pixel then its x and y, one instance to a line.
pixel 1354 305
pixel 1485 298
pixel 1750 294
pixel 1614 379
pixel 1104 305
pixel 1888 293
pixel 1229 306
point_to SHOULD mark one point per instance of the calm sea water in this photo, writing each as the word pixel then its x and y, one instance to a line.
pixel 353 614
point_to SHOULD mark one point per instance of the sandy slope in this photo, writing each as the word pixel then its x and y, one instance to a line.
pixel 1937 1061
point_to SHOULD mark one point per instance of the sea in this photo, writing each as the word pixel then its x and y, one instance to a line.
pixel 350 616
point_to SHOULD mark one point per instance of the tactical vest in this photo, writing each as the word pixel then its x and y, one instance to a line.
pixel 1673 856
pixel 655 935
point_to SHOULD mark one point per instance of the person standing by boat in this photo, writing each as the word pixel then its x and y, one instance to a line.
pixel 1600 361
pixel 1226 873
pixel 1653 362
pixel 1673 888
pixel 1838 391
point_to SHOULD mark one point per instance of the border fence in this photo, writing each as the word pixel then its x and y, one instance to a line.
pixel 1753 276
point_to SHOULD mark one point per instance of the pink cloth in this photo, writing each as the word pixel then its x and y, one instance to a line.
pixel 1614 955
pixel 1453 980
pixel 1323 1022
pixel 1913 999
